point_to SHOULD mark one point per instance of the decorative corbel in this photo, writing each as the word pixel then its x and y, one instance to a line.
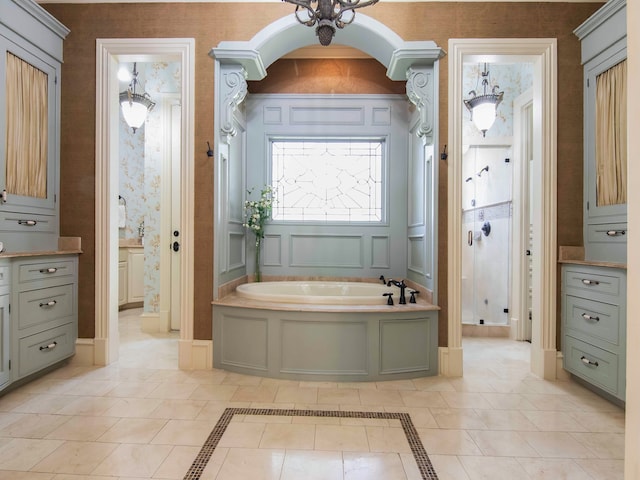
pixel 234 91
pixel 420 93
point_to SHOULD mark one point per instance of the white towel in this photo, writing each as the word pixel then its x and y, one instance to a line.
pixel 122 216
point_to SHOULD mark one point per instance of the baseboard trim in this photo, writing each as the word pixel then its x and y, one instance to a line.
pixel 195 354
pixel 450 361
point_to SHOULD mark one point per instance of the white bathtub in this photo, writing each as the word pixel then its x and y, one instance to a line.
pixel 318 292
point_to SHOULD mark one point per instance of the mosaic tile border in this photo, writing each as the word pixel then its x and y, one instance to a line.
pixel 419 453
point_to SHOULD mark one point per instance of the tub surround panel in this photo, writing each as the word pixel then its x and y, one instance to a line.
pixel 380 251
pixel 326 251
pixel 325 343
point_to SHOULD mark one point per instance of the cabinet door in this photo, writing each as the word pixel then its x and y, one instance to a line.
pixel 5 374
pixel 28 137
pixel 136 275
pixel 595 213
pixel 122 283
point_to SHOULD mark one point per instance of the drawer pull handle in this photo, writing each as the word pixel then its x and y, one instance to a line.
pixel 616 233
pixel 586 361
pixel 586 281
pixel 50 303
pixel 48 270
pixel 28 223
pixel 586 316
pixel 51 346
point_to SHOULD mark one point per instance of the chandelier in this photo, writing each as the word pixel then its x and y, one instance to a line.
pixel 483 107
pixel 328 15
pixel 135 106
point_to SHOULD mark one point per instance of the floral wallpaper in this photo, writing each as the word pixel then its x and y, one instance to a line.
pixel 512 79
pixel 141 156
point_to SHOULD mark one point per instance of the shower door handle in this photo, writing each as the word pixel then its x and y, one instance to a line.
pixel 470 238
pixel 175 246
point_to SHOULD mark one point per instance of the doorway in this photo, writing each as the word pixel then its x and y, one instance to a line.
pixel 542 54
pixel 110 52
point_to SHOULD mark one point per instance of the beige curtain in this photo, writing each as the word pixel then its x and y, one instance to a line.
pixel 611 136
pixel 27 122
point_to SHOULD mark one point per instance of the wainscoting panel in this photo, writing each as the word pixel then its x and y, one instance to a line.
pixel 416 254
pixel 326 115
pixel 245 342
pixel 380 252
pixel 272 115
pixel 272 250
pixel 236 250
pixel 380 116
pixel 326 251
pixel 402 345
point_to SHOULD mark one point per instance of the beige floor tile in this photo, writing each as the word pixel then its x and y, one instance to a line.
pixel 339 396
pixel 312 465
pixel 255 393
pixel 610 422
pixel 239 379
pixel 14 475
pixel 242 435
pixel 508 401
pixel 447 442
pixel 465 400
pixel 341 438
pixel 410 467
pixel 133 430
pixel 505 420
pixel 133 407
pixel 396 385
pixel 458 418
pixel 254 464
pixel 129 460
pixel 94 388
pixel 604 445
pixel 132 389
pixel 212 469
pixel 177 463
pixel 184 432
pixel 423 399
pixel 368 466
pixel 546 402
pixel 81 428
pixel 267 418
pixel 43 404
pixel 502 443
pixel 214 392
pixel 558 445
pixel 75 458
pixel 88 405
pixel 365 422
pixel 23 453
pixel 307 395
pixel 433 384
pixel 449 467
pixel 316 420
pixel 387 439
pixel 173 391
pixel 33 426
pixel 554 421
pixel 179 409
pixel 603 469
pixel 380 397
pixel 554 469
pixel 11 400
pixel 491 468
pixel 7 419
pixel 298 436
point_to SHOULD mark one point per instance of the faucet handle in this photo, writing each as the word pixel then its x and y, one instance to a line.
pixel 413 293
pixel 389 296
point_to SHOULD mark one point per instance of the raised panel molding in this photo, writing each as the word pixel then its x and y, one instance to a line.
pixel 272 115
pixel 236 257
pixel 326 115
pixel 416 253
pixel 381 116
pixel 272 253
pixel 326 251
pixel 380 251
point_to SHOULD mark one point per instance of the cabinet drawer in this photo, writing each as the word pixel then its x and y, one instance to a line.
pixel 589 282
pixel 44 305
pixel 595 319
pixel 46 348
pixel 30 272
pixel 595 365
pixel 27 223
pixel 5 277
pixel 609 233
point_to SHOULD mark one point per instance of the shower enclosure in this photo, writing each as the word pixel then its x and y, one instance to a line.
pixel 486 221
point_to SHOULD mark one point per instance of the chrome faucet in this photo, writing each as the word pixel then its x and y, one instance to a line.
pixel 401 285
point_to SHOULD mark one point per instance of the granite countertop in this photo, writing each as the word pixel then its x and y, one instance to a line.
pixel 233 300
pixel 130 243
pixel 66 246
pixel 575 255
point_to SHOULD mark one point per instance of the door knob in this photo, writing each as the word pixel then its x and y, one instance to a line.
pixel 175 246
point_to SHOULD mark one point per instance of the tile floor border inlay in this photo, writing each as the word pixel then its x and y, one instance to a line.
pixel 419 453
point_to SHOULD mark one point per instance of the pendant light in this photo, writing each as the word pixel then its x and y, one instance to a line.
pixel 135 106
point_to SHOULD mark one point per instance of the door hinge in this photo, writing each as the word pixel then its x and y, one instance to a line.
pixel 9 309
pixel 55 80
pixel 587 205
pixel 55 198
pixel 9 364
pixel 587 83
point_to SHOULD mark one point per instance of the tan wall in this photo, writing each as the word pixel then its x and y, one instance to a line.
pixel 212 23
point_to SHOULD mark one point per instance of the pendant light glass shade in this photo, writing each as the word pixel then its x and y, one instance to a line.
pixel 135 106
pixel 483 108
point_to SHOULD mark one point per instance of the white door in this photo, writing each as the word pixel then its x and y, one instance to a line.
pixel 176 234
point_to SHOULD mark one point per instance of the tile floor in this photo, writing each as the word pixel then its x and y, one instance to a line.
pixel 144 418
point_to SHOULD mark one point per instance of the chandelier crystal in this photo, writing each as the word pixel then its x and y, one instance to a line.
pixel 327 15
pixel 483 107
pixel 135 106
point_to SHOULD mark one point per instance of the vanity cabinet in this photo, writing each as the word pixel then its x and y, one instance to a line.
pixel 44 311
pixel 5 330
pixel 594 325
pixel 130 275
pixel 123 276
pixel 604 49
pixel 30 65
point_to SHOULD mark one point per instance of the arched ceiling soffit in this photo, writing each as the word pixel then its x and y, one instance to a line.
pixel 365 34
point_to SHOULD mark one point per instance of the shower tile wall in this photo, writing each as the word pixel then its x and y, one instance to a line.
pixel 141 156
